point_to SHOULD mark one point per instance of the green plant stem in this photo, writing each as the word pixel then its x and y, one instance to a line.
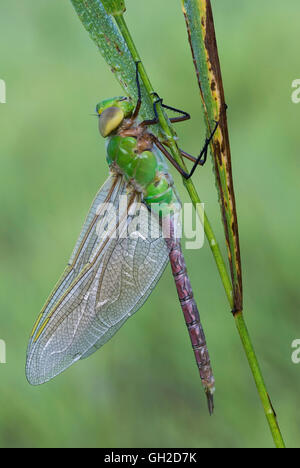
pixel 259 381
pixel 239 318
pixel 120 20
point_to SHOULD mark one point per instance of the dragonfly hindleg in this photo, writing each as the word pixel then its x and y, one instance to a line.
pixel 199 160
pixel 202 158
pixel 170 158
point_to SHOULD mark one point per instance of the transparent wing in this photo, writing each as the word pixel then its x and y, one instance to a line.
pixel 108 278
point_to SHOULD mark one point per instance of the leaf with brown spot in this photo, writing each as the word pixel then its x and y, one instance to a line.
pixel 202 38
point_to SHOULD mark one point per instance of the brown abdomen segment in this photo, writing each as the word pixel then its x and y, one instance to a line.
pixel 192 318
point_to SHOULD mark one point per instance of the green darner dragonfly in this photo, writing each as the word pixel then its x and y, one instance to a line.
pixel 121 252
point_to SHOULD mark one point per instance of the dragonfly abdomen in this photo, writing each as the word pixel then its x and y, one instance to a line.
pixel 192 317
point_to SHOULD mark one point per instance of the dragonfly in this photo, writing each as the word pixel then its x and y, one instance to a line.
pixel 129 236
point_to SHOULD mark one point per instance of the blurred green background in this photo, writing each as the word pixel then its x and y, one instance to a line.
pixel 142 389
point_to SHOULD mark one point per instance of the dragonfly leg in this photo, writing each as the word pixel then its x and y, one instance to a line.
pixel 148 123
pixel 169 157
pixel 202 158
pixel 184 115
pixel 174 163
pixel 189 156
pixel 185 154
pixel 138 84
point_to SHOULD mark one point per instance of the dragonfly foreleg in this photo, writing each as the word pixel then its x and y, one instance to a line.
pixel 138 84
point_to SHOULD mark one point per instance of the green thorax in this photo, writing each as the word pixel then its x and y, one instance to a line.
pixel 141 169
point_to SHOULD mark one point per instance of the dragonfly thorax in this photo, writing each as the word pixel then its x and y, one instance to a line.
pixel 141 169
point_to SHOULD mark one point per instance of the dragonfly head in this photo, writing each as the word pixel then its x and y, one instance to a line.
pixel 112 112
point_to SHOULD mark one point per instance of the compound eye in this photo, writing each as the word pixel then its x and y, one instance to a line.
pixel 110 120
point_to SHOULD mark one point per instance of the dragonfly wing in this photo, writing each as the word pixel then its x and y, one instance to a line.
pixel 107 280
pixel 110 192
pixel 133 268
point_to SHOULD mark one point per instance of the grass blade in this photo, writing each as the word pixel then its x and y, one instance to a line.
pixel 201 33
